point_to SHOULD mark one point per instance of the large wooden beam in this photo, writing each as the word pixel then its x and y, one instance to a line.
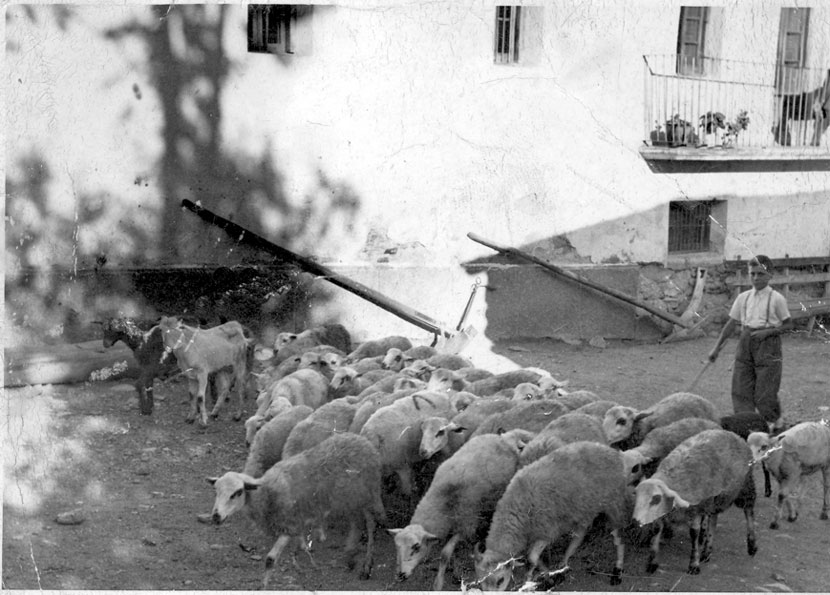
pixel 244 236
pixel 571 276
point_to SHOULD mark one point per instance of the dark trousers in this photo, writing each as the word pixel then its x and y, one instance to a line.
pixel 756 376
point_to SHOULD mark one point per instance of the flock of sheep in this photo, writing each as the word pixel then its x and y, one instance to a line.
pixel 506 462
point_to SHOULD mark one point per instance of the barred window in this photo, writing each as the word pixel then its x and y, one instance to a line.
pixel 690 226
pixel 507 34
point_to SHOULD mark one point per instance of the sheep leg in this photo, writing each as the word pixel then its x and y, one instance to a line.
pixel 793 499
pixel 696 521
pixel 616 574
pixel 825 477
pixel 652 565
pixel 707 535
pixel 368 560
pixel 751 539
pixel 352 541
pixel 533 555
pixel 272 557
pixel 446 557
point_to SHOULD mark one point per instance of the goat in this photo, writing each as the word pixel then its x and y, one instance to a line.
pixel 144 340
pixel 202 351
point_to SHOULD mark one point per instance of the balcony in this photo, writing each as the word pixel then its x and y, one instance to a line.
pixel 706 115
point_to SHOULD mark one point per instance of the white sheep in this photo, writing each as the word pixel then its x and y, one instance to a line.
pixel 290 344
pixel 397 359
pixel 472 374
pixel 643 460
pixel 445 379
pixel 378 347
pixel 303 387
pixel 274 407
pixel 338 478
pixel 574 399
pixel 568 428
pixel 597 408
pixel 801 450
pixel 704 475
pixel 395 430
pixel 451 436
pixel 346 380
pixel 369 404
pixel 527 391
pixel 458 504
pixel 525 415
pixel 626 423
pixel 563 492
pixel 449 361
pixel 271 372
pixel 267 445
pixel 419 369
pixel 332 418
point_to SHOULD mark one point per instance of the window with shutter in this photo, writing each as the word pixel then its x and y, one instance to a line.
pixel 691 39
pixel 792 49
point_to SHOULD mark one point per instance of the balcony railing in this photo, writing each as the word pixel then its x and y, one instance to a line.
pixel 700 103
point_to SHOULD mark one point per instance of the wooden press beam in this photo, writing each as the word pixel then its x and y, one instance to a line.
pixel 580 280
pixel 244 236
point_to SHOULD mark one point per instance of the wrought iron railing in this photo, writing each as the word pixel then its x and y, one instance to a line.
pixel 711 102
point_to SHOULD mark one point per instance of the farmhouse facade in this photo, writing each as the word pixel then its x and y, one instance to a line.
pixel 633 143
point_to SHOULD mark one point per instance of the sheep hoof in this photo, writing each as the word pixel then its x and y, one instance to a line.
pixel 189 420
pixel 823 515
pixel 366 572
pixel 694 569
pixel 616 576
pixel 751 547
pixel 773 525
pixel 793 518
pixel 652 567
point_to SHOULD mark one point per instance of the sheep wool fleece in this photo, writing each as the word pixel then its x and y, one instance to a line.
pixel 709 464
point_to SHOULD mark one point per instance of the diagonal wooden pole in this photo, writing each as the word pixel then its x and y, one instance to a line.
pixel 579 279
pixel 244 236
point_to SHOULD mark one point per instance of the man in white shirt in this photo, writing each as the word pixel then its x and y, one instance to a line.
pixel 763 315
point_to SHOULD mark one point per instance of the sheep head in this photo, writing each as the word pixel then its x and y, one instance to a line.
pixel 654 500
pixel 527 391
pixel 494 570
pixel 413 544
pixel 618 423
pixel 231 490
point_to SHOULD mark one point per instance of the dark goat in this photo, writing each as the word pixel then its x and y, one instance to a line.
pixel 148 350
pixel 808 105
pixel 153 363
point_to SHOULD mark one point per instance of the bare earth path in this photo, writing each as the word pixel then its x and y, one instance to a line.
pixel 138 483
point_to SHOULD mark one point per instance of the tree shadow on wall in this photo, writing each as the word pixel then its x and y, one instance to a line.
pixel 188 66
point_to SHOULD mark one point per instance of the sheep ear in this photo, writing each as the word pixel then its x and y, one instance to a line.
pixel 642 415
pixel 394 531
pixel 212 480
pixel 676 499
pixel 250 486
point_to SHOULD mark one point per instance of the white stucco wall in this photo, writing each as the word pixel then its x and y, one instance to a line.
pixel 401 103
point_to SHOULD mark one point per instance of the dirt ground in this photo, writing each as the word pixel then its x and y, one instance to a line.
pixel 136 484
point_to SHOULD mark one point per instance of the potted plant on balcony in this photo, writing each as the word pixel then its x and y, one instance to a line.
pixel 711 122
pixel 734 128
pixel 678 133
